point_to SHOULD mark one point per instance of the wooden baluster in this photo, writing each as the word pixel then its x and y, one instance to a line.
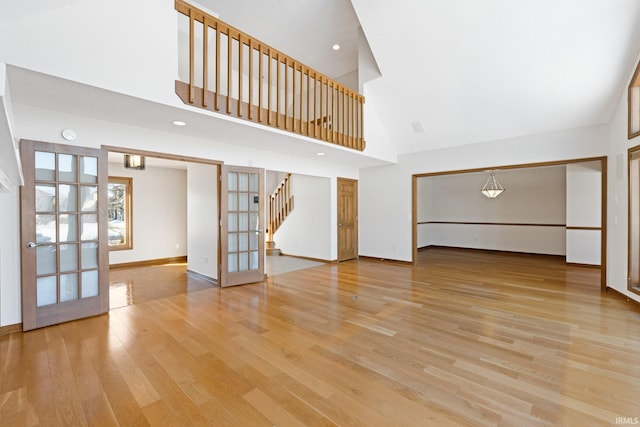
pixel 337 117
pixel 361 123
pixel 293 98
pixel 346 117
pixel 216 99
pixel 301 99
pixel 358 114
pixel 344 114
pixel 337 122
pixel 351 104
pixel 315 103
pixel 191 57
pixel 240 82
pixel 355 120
pixel 205 60
pixel 308 100
pixel 260 85
pixel 250 104
pixel 286 93
pixel 333 103
pixel 269 88
pixel 229 68
pixel 277 89
pixel 326 109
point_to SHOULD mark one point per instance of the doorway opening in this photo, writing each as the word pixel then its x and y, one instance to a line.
pixel 473 221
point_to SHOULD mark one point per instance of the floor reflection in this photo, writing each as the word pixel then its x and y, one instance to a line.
pixel 284 264
pixel 136 285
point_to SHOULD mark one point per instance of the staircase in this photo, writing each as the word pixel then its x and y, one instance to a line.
pixel 280 206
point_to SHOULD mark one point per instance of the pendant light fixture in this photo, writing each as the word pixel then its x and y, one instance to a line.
pixel 134 161
pixel 492 188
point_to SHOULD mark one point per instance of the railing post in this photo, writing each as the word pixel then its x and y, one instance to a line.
pixel 250 112
pixel 260 78
pixel 205 61
pixel 216 99
pixel 191 57
pixel 229 69
pixel 269 87
pixel 278 89
pixel 240 83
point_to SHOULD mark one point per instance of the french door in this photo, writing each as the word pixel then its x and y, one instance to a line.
pixel 64 245
pixel 242 225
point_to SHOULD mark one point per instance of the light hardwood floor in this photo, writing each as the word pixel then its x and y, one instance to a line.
pixel 464 338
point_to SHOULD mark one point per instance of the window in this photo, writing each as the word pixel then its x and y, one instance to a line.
pixel 120 192
pixel 633 99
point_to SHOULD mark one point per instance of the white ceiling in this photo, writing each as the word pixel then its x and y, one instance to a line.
pixel 305 30
pixel 479 70
pixel 468 70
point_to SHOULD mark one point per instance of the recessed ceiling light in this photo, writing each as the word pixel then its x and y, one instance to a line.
pixel 179 123
pixel 320 154
pixel 336 46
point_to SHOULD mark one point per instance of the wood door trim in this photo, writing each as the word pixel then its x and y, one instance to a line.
pixel 516 224
pixel 160 155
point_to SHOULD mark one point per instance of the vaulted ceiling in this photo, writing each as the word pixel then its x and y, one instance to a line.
pixel 463 71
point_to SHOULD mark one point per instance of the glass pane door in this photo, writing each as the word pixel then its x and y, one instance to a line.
pixel 62 226
pixel 242 229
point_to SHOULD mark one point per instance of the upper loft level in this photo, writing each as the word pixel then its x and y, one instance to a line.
pixel 225 70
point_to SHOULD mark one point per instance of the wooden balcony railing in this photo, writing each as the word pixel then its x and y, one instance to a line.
pixel 232 73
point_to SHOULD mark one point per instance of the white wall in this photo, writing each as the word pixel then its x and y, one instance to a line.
pixel 202 219
pixel 159 214
pixel 307 230
pixel 532 196
pixel 385 191
pixel 80 41
pixel 272 181
pixel 10 168
pixel 10 290
pixel 584 185
pixel 530 239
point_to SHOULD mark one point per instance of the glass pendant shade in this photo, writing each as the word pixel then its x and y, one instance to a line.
pixel 492 188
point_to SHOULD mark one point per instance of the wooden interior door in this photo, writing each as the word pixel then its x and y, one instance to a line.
pixel 347 219
pixel 241 225
pixel 64 239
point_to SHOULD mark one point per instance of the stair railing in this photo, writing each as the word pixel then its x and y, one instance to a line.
pixel 280 206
